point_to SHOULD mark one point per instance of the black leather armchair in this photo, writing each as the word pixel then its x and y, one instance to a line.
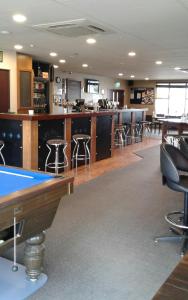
pixel 172 162
pixel 183 142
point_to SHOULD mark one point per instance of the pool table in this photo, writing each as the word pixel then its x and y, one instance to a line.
pixel 28 204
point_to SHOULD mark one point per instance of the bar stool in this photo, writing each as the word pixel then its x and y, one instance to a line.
pixel 138 132
pixel 119 135
pixel 146 126
pixel 56 165
pixel 130 133
pixel 2 144
pixel 81 140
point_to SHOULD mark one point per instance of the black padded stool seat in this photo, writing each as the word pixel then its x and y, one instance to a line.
pixel 2 144
pixel 81 140
pixel 81 136
pixel 57 164
pixel 172 163
pixel 56 142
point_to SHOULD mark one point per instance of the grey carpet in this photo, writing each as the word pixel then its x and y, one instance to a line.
pixel 100 246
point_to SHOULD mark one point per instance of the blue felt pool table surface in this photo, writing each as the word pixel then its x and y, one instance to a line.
pixel 13 179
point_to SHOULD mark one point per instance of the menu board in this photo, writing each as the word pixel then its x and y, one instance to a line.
pixel 142 96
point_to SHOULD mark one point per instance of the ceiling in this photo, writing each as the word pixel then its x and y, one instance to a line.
pixel 155 30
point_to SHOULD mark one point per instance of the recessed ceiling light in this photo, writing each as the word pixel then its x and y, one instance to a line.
pixel 55 66
pixel 132 76
pixel 19 18
pixel 158 62
pixel 132 53
pixel 53 54
pixel 18 47
pixel 146 78
pixel 84 65
pixel 62 61
pixel 91 41
pixel 177 68
pixel 31 45
pixel 120 74
pixel 5 32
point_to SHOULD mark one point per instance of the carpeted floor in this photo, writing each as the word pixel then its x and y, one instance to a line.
pixel 100 246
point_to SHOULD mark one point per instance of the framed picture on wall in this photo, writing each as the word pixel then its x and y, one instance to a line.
pixel 143 96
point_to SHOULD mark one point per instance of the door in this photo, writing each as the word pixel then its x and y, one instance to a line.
pixel 4 90
pixel 73 89
pixel 117 96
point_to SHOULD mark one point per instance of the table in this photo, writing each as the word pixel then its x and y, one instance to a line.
pixel 177 124
pixel 28 204
pixel 176 285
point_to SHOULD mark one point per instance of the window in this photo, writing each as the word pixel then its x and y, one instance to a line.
pixel 171 99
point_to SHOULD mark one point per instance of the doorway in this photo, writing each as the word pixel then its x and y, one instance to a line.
pixel 117 96
pixel 4 90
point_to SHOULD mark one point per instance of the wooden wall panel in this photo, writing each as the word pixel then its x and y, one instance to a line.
pixel 4 90
pixel 24 64
pixel 30 145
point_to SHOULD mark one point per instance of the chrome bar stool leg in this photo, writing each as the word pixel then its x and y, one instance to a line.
pixel 77 149
pixel 2 145
pixel 85 151
pixel 73 153
pixel 49 153
pixel 88 152
pixel 56 159
pixel 65 156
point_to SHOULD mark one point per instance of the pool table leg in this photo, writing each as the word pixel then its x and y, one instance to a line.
pixel 33 256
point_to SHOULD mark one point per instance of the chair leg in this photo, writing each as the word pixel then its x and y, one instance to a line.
pixel 167 238
pixel 174 230
pixel 180 237
pixel 184 245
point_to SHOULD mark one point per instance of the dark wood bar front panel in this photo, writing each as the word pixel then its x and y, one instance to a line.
pixel 103 139
pixel 11 134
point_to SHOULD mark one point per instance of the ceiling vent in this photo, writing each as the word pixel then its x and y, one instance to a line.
pixel 73 28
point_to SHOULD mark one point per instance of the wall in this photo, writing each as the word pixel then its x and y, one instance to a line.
pixel 139 84
pixel 9 63
pixel 105 84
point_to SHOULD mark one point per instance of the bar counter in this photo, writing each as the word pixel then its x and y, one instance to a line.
pixel 25 135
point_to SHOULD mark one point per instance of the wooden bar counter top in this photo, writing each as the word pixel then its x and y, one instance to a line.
pixel 34 117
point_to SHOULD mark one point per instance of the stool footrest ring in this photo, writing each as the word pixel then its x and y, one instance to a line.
pixel 170 219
